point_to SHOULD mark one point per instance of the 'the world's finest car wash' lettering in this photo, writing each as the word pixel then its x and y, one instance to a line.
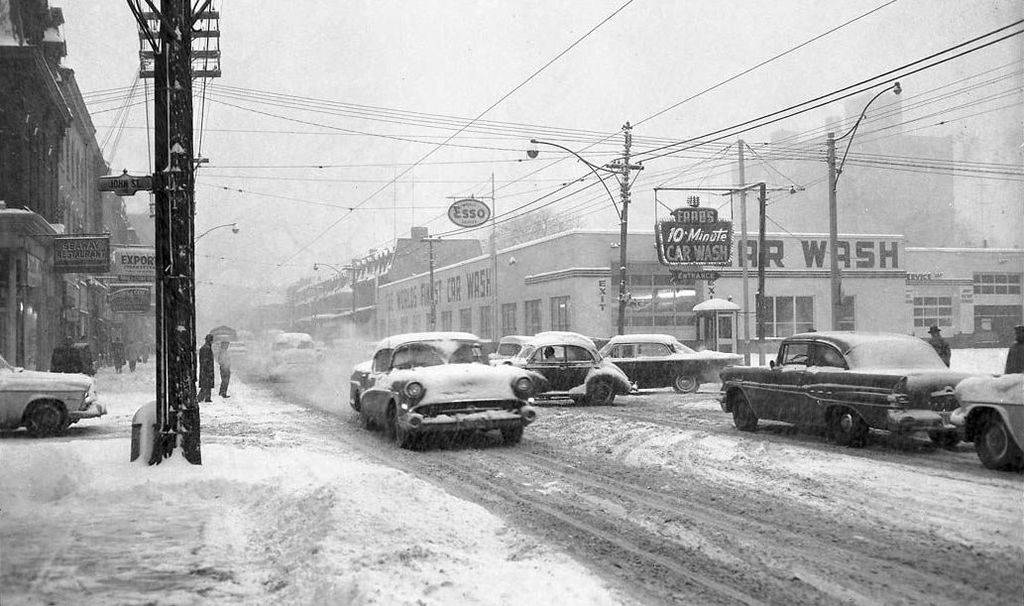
pixel 813 254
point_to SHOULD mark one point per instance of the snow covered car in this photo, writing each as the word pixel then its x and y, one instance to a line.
pixel 508 346
pixel 573 368
pixel 292 353
pixel 46 403
pixel 428 383
pixel 991 414
pixel 655 360
pixel 848 382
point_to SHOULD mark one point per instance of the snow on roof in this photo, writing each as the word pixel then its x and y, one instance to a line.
pixel 292 337
pixel 515 339
pixel 716 305
pixel 559 337
pixel 642 338
pixel 412 337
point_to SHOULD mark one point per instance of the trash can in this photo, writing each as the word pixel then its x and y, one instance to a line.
pixel 143 432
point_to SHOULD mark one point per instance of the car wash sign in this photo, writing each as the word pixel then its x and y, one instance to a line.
pixel 694 236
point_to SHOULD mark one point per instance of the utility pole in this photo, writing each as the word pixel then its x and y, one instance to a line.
pixel 495 329
pixel 743 254
pixel 762 204
pixel 624 169
pixel 835 280
pixel 433 293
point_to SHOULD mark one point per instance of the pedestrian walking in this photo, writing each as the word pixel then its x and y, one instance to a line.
pixel 939 344
pixel 206 370
pixel 224 361
pixel 133 356
pixel 1015 357
pixel 117 353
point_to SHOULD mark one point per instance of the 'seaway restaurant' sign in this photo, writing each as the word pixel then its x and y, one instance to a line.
pixel 694 236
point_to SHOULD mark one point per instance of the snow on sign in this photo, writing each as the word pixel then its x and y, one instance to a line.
pixel 694 236
pixel 469 212
pixel 81 254
pixel 125 184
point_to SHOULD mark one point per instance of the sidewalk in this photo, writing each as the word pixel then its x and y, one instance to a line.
pixel 280 512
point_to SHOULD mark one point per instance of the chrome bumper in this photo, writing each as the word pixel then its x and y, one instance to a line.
pixel 902 420
pixel 95 409
pixel 485 420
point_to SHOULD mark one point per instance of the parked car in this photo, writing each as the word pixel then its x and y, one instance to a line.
pixel 46 403
pixel 848 382
pixel 439 382
pixel 573 368
pixel 508 346
pixel 292 353
pixel 655 360
pixel 991 414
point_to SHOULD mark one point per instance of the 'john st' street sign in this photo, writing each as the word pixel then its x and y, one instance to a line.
pixel 125 184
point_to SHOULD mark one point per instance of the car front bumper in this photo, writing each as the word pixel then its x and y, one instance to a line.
pixel 94 410
pixel 909 420
pixel 483 421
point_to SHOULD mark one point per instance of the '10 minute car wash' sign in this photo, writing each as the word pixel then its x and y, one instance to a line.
pixel 694 236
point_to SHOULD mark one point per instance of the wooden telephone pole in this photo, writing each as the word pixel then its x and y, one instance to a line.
pixel 170 41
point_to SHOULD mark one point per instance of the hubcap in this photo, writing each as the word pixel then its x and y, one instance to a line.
pixel 846 422
pixel 995 441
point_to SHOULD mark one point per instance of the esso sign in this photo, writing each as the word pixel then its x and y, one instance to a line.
pixel 469 212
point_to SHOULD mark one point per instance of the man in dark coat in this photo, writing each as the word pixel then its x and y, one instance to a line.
pixel 117 353
pixel 939 344
pixel 1015 357
pixel 206 370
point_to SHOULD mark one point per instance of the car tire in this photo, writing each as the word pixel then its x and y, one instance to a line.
pixel 743 416
pixel 995 446
pixel 847 428
pixel 512 435
pixel 354 400
pixel 686 384
pixel 401 437
pixel 46 419
pixel 600 393
pixel 367 422
pixel 944 438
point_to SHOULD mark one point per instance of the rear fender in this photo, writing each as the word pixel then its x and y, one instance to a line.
pixel 622 385
pixel 1012 417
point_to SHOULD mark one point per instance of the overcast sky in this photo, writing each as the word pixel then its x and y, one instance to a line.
pixel 458 58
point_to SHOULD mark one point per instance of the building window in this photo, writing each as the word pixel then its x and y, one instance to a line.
pixel 466 319
pixel 933 311
pixel 531 317
pixel 656 301
pixel 485 322
pixel 446 320
pixel 997 284
pixel 787 316
pixel 508 319
pixel 560 313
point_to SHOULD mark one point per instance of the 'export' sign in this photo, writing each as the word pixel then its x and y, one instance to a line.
pixel 133 264
pixel 695 236
pixel 81 254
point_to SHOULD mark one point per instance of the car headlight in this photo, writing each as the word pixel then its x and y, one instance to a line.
pixel 523 387
pixel 414 390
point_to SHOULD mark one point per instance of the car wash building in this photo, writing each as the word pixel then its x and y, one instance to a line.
pixel 569 281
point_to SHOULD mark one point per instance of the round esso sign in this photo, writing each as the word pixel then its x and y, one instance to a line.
pixel 469 212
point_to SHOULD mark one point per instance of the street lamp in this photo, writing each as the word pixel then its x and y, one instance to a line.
pixel 621 168
pixel 835 278
pixel 233 226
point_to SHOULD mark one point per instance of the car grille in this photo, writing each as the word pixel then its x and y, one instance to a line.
pixel 944 402
pixel 449 408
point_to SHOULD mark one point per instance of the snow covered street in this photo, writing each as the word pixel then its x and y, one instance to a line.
pixel 281 511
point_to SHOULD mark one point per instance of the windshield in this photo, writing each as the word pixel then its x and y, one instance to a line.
pixel 893 353
pixel 4 364
pixel 680 348
pixel 435 353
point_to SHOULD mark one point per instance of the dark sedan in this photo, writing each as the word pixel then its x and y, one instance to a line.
pixel 655 360
pixel 848 382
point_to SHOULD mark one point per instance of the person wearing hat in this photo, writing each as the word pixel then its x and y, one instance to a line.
pixel 206 370
pixel 939 344
pixel 1015 357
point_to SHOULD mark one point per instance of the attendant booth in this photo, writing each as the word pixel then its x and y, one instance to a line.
pixel 716 324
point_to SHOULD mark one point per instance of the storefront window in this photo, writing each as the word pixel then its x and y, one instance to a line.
pixel 485 323
pixel 560 312
pixel 446 320
pixel 531 311
pixel 656 301
pixel 508 319
pixel 933 311
pixel 466 320
pixel 997 284
pixel 788 316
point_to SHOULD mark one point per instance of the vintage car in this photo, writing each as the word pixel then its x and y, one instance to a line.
pixel 654 360
pixel 573 368
pixel 292 353
pixel 46 403
pixel 991 414
pixel 428 383
pixel 508 346
pixel 847 382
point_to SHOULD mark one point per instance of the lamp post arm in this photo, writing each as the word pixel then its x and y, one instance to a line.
pixel 593 168
pixel 213 228
pixel 850 133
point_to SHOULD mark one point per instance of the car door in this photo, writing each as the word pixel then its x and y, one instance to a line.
pixel 12 401
pixel 578 364
pixel 785 399
pixel 654 366
pixel 623 355
pixel 826 371
pixel 548 361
